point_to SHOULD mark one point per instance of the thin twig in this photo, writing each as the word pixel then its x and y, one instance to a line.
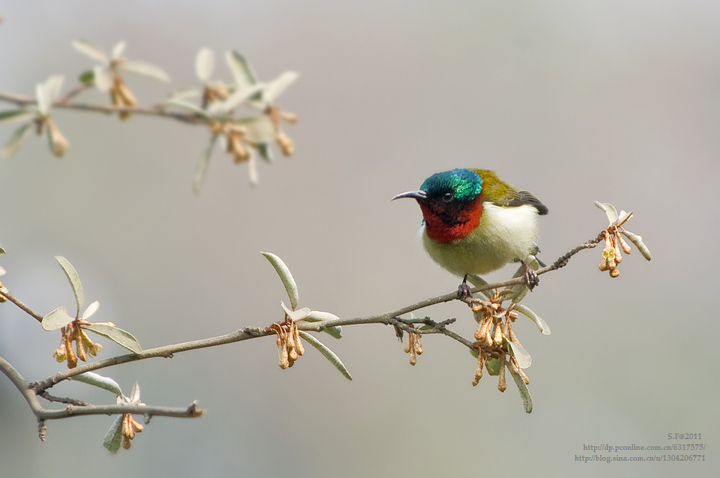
pixel 63 103
pixel 6 293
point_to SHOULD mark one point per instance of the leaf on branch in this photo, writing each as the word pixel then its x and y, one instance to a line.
pixel 145 69
pixel 265 152
pixel 74 279
pixel 56 319
pixel 117 50
pixel 524 391
pixel 541 324
pixel 97 380
pixel 295 315
pixel 179 102
pixel 276 87
pixel 327 353
pixel 47 92
pixel 285 276
pixel 15 116
pixel 13 143
pixel 117 335
pixel 318 316
pixel 103 78
pixel 523 357
pixel 637 240
pixel 113 437
pixel 241 70
pixel 204 64
pixel 235 99
pixel 609 211
pixel 202 165
pixel 90 50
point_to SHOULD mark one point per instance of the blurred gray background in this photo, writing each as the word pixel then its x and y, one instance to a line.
pixel 577 101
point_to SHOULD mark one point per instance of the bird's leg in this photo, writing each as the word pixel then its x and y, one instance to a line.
pixel 464 289
pixel 531 277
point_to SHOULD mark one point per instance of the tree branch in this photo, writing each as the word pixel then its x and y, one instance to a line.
pixel 64 103
pixel 72 409
pixel 388 318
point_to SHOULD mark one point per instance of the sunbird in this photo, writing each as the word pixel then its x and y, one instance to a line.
pixel 475 223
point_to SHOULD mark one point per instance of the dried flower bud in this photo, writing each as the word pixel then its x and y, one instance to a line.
pixel 298 343
pixel 498 337
pixel 625 246
pixel 287 145
pixel 478 370
pixel 502 384
pixel 614 272
pixel 284 361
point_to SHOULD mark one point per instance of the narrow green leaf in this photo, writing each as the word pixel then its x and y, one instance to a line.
pixel 90 50
pixel 235 99
pixel 637 240
pixel 15 116
pixel 204 64
pixel 74 279
pixel 2 251
pixel 47 92
pixel 318 316
pixel 276 87
pixel 541 324
pixel 13 143
pixel 285 276
pixel 117 335
pixel 187 106
pixel 117 50
pixel 201 169
pixel 182 93
pixel 327 353
pixel 145 69
pixel 241 70
pixel 97 380
pixel 91 309
pixel 609 210
pixel 56 319
pixel 523 357
pixel 113 437
pixel 252 169
pixel 296 315
pixel 135 394
pixel 524 391
pixel 265 152
pixel 103 78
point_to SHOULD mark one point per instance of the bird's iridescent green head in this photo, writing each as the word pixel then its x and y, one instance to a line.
pixel 458 184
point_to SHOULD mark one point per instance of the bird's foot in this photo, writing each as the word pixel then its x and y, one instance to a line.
pixel 531 277
pixel 463 291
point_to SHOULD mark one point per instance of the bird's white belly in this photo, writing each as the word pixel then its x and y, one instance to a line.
pixel 505 234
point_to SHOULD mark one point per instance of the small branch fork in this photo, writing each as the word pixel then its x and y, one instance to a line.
pixel 73 408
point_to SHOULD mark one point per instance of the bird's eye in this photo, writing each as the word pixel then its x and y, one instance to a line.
pixel 448 197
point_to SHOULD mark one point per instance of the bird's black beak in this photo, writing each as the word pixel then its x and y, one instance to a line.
pixel 412 194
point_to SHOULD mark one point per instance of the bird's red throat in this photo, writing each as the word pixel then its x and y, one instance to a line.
pixel 447 226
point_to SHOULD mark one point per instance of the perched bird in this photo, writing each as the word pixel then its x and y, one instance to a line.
pixel 475 223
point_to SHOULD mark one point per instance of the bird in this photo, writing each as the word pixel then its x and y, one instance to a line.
pixel 475 223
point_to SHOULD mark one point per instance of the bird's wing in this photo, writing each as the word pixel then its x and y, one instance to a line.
pixel 524 197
